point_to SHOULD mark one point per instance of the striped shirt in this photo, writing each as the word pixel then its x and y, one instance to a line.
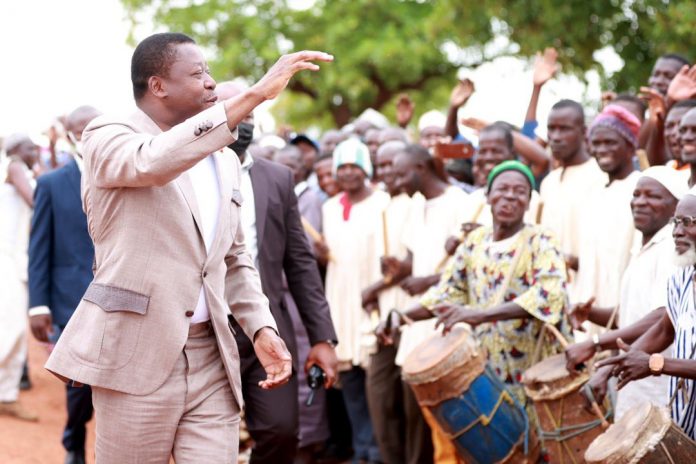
pixel 682 312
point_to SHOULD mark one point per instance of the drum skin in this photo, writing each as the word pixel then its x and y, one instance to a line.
pixel 566 426
pixel 450 376
pixel 644 435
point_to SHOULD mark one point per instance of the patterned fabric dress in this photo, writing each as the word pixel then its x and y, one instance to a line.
pixel 475 278
pixel 682 313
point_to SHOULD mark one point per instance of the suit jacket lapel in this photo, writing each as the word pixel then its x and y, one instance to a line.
pixel 260 202
pixel 225 186
pixel 74 179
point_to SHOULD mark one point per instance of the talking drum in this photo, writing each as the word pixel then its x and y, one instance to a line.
pixel 566 428
pixel 645 435
pixel 449 375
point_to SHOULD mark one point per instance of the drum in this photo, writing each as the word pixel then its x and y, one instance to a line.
pixel 449 375
pixel 645 435
pixel 566 427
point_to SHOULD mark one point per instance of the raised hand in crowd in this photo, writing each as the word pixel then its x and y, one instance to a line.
pixel 278 76
pixel 656 103
pixel 545 66
pixel 579 313
pixel 474 123
pixel 461 93
pixel 683 86
pixel 404 110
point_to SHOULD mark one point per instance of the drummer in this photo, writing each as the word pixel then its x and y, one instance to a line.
pixel 676 325
pixel 508 312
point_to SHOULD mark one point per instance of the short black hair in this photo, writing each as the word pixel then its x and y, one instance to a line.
pixel 153 57
pixel 419 154
pixel 675 57
pixel 323 157
pixel 575 106
pixel 627 97
pixel 690 103
pixel 506 128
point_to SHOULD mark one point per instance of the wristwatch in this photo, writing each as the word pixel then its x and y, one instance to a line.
pixel 656 363
pixel 331 343
pixel 595 342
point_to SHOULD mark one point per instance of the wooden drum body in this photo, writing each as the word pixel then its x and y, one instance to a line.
pixel 566 426
pixel 449 376
pixel 643 435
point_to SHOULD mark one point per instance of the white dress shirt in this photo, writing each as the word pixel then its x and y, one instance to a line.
pixel 249 210
pixel 204 179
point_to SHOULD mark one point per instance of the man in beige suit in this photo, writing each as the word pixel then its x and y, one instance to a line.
pixel 152 334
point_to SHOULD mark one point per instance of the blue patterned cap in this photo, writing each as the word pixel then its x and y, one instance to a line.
pixel 352 151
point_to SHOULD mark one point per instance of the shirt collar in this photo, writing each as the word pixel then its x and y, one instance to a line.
pixel 80 162
pixel 248 162
pixel 661 235
pixel 301 187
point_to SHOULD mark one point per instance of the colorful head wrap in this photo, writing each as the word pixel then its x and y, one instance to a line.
pixel 621 120
pixel 511 165
pixel 669 178
pixel 352 151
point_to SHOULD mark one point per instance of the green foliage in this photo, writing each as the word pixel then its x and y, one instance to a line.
pixel 384 47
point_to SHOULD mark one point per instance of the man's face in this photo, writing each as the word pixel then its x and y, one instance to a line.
pixel 384 170
pixel 329 142
pixel 188 89
pixel 372 142
pixel 407 176
pixel 662 74
pixel 611 150
pixel 432 135
pixel 687 137
pixel 309 154
pixel 685 235
pixel 652 205
pixel 671 131
pixel 324 172
pixel 350 177
pixel 566 132
pixel 293 162
pixel 28 151
pixel 492 151
pixel 509 198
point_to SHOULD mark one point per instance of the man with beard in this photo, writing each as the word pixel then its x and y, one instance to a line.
pixel 643 287
pixel 676 325
pixel 289 276
pixel 562 191
pixel 606 225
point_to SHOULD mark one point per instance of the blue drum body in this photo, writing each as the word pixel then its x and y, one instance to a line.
pixel 485 421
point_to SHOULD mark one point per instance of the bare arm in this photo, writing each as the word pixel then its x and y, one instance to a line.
pixel 532 152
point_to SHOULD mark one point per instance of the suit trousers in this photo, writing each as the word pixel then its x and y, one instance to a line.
pixel 193 416
pixel 401 431
pixel 271 415
pixel 80 410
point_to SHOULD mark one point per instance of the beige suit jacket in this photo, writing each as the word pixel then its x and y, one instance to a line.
pixel 150 257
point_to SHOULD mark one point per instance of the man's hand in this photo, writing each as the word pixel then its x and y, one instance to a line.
pixel 579 313
pixel 274 357
pixel 461 93
pixel 578 353
pixel 41 326
pixel 683 86
pixel 404 110
pixel 394 268
pixel 572 262
pixel 323 355
pixel 416 285
pixel 370 301
pixel 451 244
pixel 545 66
pixel 474 123
pixel 450 314
pixel 277 78
pixel 322 252
pixel 656 103
pixel 628 366
pixel 386 328
pixel 598 383
pixel 607 97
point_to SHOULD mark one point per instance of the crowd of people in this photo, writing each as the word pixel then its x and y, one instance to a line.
pixel 367 240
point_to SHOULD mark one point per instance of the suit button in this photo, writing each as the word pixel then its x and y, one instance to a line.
pixel 189 313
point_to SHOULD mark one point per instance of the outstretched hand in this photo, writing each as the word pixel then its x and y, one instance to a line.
pixel 655 101
pixel 683 86
pixel 545 66
pixel 462 92
pixel 277 78
pixel 627 366
pixel 274 357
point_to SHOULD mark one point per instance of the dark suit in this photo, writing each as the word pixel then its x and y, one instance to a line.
pixel 61 254
pixel 282 248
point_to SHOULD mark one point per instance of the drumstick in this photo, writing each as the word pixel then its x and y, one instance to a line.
pixel 540 209
pixel 312 232
pixel 474 218
pixel 556 333
pixel 598 413
pixel 385 234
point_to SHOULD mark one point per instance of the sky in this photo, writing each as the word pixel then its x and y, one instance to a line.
pixel 63 54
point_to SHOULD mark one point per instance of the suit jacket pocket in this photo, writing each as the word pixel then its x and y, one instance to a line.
pixel 109 319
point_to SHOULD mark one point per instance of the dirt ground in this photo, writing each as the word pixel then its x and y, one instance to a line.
pixel 39 442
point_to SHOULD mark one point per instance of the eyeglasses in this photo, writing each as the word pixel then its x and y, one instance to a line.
pixel 687 221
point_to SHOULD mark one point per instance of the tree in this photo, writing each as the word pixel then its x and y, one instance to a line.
pixel 385 47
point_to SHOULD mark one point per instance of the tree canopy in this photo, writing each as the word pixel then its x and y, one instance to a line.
pixel 385 47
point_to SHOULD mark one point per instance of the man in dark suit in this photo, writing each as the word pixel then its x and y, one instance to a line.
pixel 276 240
pixel 60 269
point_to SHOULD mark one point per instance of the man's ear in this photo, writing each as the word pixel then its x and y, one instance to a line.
pixel 157 86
